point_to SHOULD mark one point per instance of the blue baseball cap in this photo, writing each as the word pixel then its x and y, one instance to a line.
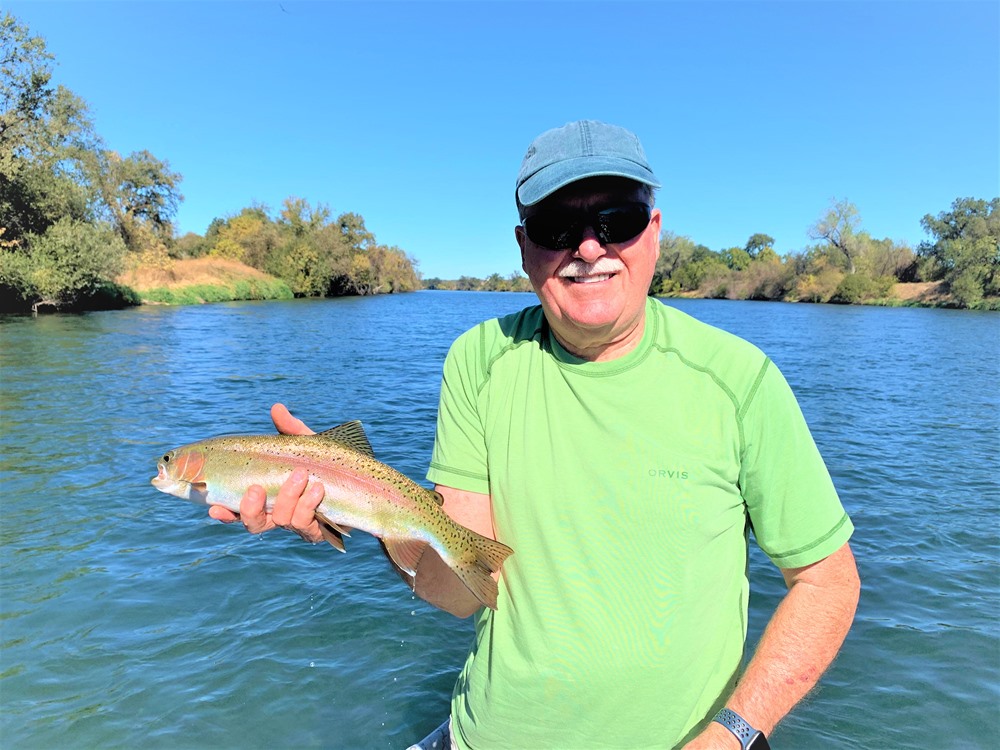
pixel 576 151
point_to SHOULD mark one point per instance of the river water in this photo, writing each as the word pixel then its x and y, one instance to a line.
pixel 129 619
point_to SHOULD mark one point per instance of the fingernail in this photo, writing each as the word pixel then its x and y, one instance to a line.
pixel 300 475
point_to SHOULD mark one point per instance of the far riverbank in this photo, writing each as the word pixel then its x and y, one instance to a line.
pixel 205 280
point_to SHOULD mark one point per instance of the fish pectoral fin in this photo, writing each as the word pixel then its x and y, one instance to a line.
pixel 406 553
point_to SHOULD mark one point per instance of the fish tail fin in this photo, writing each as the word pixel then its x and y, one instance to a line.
pixel 476 569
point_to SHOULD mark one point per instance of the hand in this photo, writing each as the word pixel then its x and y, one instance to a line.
pixel 296 503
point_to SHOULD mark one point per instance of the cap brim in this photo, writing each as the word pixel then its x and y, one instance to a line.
pixel 547 180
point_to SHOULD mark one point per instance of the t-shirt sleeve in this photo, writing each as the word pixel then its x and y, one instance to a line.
pixel 795 512
pixel 459 457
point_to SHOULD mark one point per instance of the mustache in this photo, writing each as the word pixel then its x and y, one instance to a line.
pixel 578 267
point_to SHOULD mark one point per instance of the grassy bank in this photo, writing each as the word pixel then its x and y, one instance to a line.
pixel 202 280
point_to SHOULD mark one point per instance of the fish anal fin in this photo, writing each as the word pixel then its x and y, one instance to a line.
pixel 407 577
pixel 352 435
pixel 406 553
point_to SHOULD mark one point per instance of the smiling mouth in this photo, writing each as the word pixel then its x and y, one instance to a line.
pixel 594 279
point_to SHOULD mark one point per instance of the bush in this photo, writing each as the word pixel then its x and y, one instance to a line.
pixel 72 262
pixel 856 287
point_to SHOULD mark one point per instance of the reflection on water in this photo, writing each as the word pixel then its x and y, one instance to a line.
pixel 126 617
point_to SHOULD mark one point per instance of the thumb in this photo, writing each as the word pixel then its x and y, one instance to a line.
pixel 286 423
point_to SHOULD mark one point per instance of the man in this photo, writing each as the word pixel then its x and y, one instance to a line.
pixel 623 450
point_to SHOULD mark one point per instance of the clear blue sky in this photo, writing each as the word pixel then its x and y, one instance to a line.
pixel 755 116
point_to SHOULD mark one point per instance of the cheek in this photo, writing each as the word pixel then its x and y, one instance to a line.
pixel 539 266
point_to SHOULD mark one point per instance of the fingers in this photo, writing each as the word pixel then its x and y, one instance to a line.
pixel 295 506
pixel 286 423
pixel 252 513
pixel 304 521
pixel 222 514
pixel 288 497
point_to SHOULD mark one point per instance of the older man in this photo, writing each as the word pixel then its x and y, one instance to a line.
pixel 623 450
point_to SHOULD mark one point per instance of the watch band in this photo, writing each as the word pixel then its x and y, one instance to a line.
pixel 750 738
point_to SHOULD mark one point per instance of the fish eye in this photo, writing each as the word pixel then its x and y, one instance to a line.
pixel 166 458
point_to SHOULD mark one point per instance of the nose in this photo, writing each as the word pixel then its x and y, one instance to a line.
pixel 590 248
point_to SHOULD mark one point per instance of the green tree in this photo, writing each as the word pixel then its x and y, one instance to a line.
pixel 357 236
pixel 759 243
pixel 139 196
pixel 703 266
pixel 965 252
pixel 190 245
pixel 838 227
pixel 736 258
pixel 69 263
pixel 45 132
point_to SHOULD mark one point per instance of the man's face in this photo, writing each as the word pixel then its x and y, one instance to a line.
pixel 593 293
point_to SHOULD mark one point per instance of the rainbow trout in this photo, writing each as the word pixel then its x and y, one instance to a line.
pixel 361 493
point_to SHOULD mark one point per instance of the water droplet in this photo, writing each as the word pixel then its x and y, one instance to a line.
pixel 312 664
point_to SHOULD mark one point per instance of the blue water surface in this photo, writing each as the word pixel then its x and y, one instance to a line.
pixel 128 618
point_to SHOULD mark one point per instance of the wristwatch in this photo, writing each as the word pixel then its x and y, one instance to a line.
pixel 750 738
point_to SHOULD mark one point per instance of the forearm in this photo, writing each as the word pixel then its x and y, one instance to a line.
pixel 438 585
pixel 435 582
pixel 800 642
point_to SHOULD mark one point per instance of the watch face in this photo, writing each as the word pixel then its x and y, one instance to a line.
pixel 759 742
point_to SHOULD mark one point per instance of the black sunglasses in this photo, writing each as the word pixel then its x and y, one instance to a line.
pixel 562 229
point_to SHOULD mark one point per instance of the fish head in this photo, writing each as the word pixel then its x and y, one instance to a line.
pixel 180 472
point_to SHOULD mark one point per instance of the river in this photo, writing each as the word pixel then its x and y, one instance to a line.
pixel 129 619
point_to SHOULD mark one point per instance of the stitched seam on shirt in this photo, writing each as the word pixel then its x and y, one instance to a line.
pixel 653 334
pixel 716 379
pixel 487 363
pixel 460 472
pixel 837 527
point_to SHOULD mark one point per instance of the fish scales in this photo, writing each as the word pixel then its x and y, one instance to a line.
pixel 360 492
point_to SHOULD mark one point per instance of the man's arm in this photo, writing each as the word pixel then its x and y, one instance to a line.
pixel 435 582
pixel 800 642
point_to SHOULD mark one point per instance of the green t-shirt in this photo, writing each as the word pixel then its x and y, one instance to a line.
pixel 626 489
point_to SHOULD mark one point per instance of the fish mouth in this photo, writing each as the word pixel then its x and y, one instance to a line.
pixel 161 479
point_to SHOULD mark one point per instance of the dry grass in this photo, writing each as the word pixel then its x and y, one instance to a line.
pixel 193 272
pixel 928 292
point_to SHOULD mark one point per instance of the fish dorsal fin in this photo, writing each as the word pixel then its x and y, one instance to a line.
pixel 352 434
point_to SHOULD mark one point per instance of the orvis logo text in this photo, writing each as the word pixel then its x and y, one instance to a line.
pixel 668 474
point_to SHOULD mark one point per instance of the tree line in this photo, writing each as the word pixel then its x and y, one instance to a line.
pixel 845 264
pixel 74 214
pixel 315 254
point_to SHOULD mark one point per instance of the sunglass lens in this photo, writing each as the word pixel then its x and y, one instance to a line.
pixel 561 230
pixel 622 223
pixel 551 230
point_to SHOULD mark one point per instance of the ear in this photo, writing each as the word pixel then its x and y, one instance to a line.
pixel 521 238
pixel 656 220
